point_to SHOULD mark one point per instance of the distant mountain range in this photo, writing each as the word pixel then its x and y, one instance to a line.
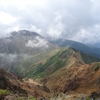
pixel 23 41
pixel 66 72
pixel 51 69
pixel 23 48
pixel 95 45
pixel 79 46
pixel 64 57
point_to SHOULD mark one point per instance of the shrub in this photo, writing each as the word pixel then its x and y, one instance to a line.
pixel 20 98
pixel 4 92
pixel 31 98
pixel 97 67
pixel 88 99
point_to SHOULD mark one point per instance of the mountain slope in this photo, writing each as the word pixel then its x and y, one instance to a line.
pixel 75 81
pixel 13 87
pixel 67 72
pixel 23 41
pixel 95 45
pixel 79 46
pixel 10 82
pixel 23 48
pixel 64 57
pixel 70 72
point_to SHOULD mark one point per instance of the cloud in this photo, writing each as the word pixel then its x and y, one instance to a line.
pixel 57 27
pixel 77 22
pixel 57 18
pixel 37 43
pixel 88 36
pixel 33 28
pixel 6 18
pixel 8 57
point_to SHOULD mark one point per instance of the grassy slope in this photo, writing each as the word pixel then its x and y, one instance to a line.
pixel 87 58
pixel 39 70
pixel 55 62
pixel 23 63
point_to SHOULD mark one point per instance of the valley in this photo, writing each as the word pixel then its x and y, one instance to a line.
pixel 33 68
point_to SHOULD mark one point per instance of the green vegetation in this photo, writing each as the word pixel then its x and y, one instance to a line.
pixel 24 64
pixel 88 58
pixel 20 98
pixel 88 99
pixel 31 98
pixel 58 61
pixel 23 98
pixel 4 92
pixel 55 62
pixel 97 67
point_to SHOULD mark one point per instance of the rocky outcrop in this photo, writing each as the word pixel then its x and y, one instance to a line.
pixel 10 83
pixel 10 98
pixel 4 83
pixel 72 85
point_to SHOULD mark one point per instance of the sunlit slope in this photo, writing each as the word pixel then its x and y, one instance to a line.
pixel 64 57
pixel 23 48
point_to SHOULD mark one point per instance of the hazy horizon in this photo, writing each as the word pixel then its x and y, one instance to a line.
pixel 77 20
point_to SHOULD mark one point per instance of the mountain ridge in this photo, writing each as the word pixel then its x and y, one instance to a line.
pixel 22 48
pixel 62 58
pixel 49 71
pixel 79 46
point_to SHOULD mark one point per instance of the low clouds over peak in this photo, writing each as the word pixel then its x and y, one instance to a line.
pixel 78 20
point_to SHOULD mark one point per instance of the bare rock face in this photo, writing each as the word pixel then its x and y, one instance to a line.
pixel 2 83
pixel 9 98
pixel 73 85
pixel 3 80
pixel 12 85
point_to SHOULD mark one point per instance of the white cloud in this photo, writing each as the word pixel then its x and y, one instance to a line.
pixel 15 28
pixel 59 18
pixel 56 28
pixel 6 18
pixel 18 27
pixel 33 28
pixel 37 43
pixel 87 37
pixel 22 4
pixel 9 57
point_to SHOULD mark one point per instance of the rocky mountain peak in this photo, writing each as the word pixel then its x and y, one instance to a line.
pixel 24 33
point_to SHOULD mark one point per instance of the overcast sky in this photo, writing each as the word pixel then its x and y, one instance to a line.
pixel 77 20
